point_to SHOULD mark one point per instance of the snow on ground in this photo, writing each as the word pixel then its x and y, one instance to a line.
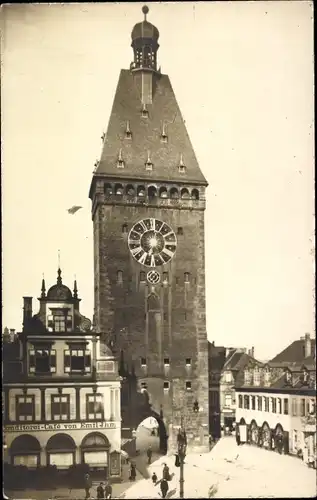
pixel 235 472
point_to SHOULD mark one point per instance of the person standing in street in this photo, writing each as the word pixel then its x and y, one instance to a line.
pixel 149 454
pixel 88 485
pixel 108 490
pixel 164 487
pixel 132 472
pixel 154 478
pixel 166 472
pixel 100 492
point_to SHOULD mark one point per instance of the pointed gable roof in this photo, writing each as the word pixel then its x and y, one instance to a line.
pixel 146 133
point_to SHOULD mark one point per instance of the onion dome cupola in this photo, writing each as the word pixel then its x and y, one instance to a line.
pixel 145 44
pixel 59 291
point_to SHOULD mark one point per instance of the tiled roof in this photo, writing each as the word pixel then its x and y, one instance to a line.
pixel 294 353
pixel 146 135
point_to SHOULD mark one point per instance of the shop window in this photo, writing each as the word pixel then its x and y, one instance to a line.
pixel 253 402
pixel 188 386
pixel 166 386
pixel 42 361
pixel 60 407
pixel 259 403
pixel 285 406
pixel 76 360
pixel 246 402
pixel 166 361
pixel 94 406
pixel 273 405
pixel 188 361
pixel 302 408
pixel 240 401
pixel 143 361
pixel 25 408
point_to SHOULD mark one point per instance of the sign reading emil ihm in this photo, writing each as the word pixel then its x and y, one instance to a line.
pixel 71 426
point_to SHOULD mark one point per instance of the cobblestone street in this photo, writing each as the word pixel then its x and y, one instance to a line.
pixel 231 471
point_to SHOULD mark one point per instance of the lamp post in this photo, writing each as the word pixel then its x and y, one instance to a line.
pixel 181 448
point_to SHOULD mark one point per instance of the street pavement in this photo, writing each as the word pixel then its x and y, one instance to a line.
pixel 228 471
pixel 231 471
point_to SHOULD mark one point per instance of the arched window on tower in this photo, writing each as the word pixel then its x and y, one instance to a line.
pixel 185 194
pixel 163 192
pixel 130 191
pixel 195 194
pixel 118 189
pixel 141 192
pixel 152 192
pixel 174 193
pixel 108 189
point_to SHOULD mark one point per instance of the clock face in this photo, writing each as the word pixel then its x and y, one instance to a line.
pixel 152 242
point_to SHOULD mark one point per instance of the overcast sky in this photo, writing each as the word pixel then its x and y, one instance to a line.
pixel 242 73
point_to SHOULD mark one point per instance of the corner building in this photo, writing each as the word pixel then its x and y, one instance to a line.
pixel 148 203
pixel 61 390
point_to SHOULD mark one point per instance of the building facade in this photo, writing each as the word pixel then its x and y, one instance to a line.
pixel 148 203
pixel 278 407
pixel 226 369
pixel 61 389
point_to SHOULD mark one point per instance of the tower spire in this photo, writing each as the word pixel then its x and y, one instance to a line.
pixel 75 288
pixel 43 289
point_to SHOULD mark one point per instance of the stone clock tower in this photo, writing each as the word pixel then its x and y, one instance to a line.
pixel 148 202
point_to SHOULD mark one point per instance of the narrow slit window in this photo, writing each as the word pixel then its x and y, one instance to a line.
pixel 186 277
pixel 188 386
pixel 166 386
pixel 180 231
pixel 166 361
pixel 188 361
pixel 143 361
pixel 142 277
pixel 119 276
pixel 125 228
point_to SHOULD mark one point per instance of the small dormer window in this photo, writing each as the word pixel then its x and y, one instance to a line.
pixel 144 112
pixel 164 137
pixel 181 166
pixel 288 376
pixel 305 376
pixel 148 163
pixel 120 162
pixel 128 133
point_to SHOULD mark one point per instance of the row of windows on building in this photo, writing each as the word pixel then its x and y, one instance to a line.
pixel 188 362
pixel 165 278
pixel 43 361
pixel 60 407
pixel 300 406
pixel 167 385
pixel 151 192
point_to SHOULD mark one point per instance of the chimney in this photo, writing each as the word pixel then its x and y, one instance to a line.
pixel 12 334
pixel 252 351
pixel 27 310
pixel 307 345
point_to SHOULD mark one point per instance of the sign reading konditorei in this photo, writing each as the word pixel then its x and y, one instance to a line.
pixel 71 426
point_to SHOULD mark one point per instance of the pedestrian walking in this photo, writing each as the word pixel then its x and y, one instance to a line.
pixel 238 439
pixel 132 473
pixel 88 485
pixel 164 488
pixel 154 478
pixel 100 492
pixel 149 454
pixel 108 490
pixel 166 473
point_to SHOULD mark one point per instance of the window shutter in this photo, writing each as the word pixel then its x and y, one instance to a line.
pixel 87 361
pixel 32 361
pixel 67 361
pixel 53 361
pixel 69 322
